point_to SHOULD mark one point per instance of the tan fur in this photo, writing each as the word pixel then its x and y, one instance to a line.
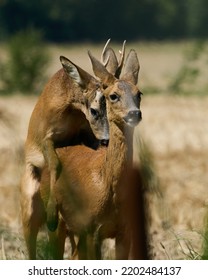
pixel 87 190
pixel 62 116
pixel 134 213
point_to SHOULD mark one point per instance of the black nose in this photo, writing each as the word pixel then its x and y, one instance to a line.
pixel 135 115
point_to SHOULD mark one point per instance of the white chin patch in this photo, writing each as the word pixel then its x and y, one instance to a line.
pixel 132 123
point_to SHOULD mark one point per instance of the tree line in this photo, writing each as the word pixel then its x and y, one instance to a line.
pixel 96 20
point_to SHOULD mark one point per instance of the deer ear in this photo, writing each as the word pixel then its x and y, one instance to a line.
pixel 77 74
pixel 131 69
pixel 100 71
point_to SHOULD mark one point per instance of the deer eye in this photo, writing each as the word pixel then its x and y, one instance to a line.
pixel 94 113
pixel 114 97
pixel 138 96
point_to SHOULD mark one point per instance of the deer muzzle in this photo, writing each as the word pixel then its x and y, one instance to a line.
pixel 133 117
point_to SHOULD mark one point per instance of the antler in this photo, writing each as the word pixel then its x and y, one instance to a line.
pixel 121 60
pixel 110 68
pixel 105 59
pixel 109 59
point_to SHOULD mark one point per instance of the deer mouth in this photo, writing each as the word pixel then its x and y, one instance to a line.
pixel 104 142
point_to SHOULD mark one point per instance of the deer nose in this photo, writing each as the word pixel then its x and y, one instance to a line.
pixel 135 114
pixel 133 117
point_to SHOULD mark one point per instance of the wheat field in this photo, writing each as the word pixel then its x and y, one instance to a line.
pixel 174 128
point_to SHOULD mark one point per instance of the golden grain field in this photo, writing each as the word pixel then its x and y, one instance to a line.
pixel 175 129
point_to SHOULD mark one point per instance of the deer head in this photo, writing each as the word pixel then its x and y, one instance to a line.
pixel 123 90
pixel 93 99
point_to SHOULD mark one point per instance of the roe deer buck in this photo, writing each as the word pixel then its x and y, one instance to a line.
pixel 133 198
pixel 87 190
pixel 70 109
pixel 114 66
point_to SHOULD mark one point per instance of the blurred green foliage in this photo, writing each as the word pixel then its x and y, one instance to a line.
pixel 96 20
pixel 26 64
pixel 186 79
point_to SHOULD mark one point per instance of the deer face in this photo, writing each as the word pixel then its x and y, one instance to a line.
pixel 123 102
pixel 122 94
pixel 96 114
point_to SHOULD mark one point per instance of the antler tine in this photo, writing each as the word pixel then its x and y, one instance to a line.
pixel 121 60
pixel 103 52
pixel 122 54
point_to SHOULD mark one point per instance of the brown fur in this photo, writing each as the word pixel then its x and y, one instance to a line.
pixel 58 119
pixel 87 189
pixel 133 213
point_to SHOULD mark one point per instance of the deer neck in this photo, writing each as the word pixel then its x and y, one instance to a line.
pixel 119 154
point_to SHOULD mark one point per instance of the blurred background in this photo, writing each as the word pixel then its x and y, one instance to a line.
pixel 94 20
pixel 171 143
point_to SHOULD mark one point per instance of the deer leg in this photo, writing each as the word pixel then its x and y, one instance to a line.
pixel 137 217
pixel 122 249
pixel 52 211
pixel 82 246
pixel 89 245
pixel 30 234
pixel 97 240
pixel 133 217
pixel 74 253
pixel 32 208
pixel 57 241
pixel 122 242
pixel 55 169
pixel 74 246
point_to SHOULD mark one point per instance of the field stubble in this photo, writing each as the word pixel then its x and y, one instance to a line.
pixel 175 130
